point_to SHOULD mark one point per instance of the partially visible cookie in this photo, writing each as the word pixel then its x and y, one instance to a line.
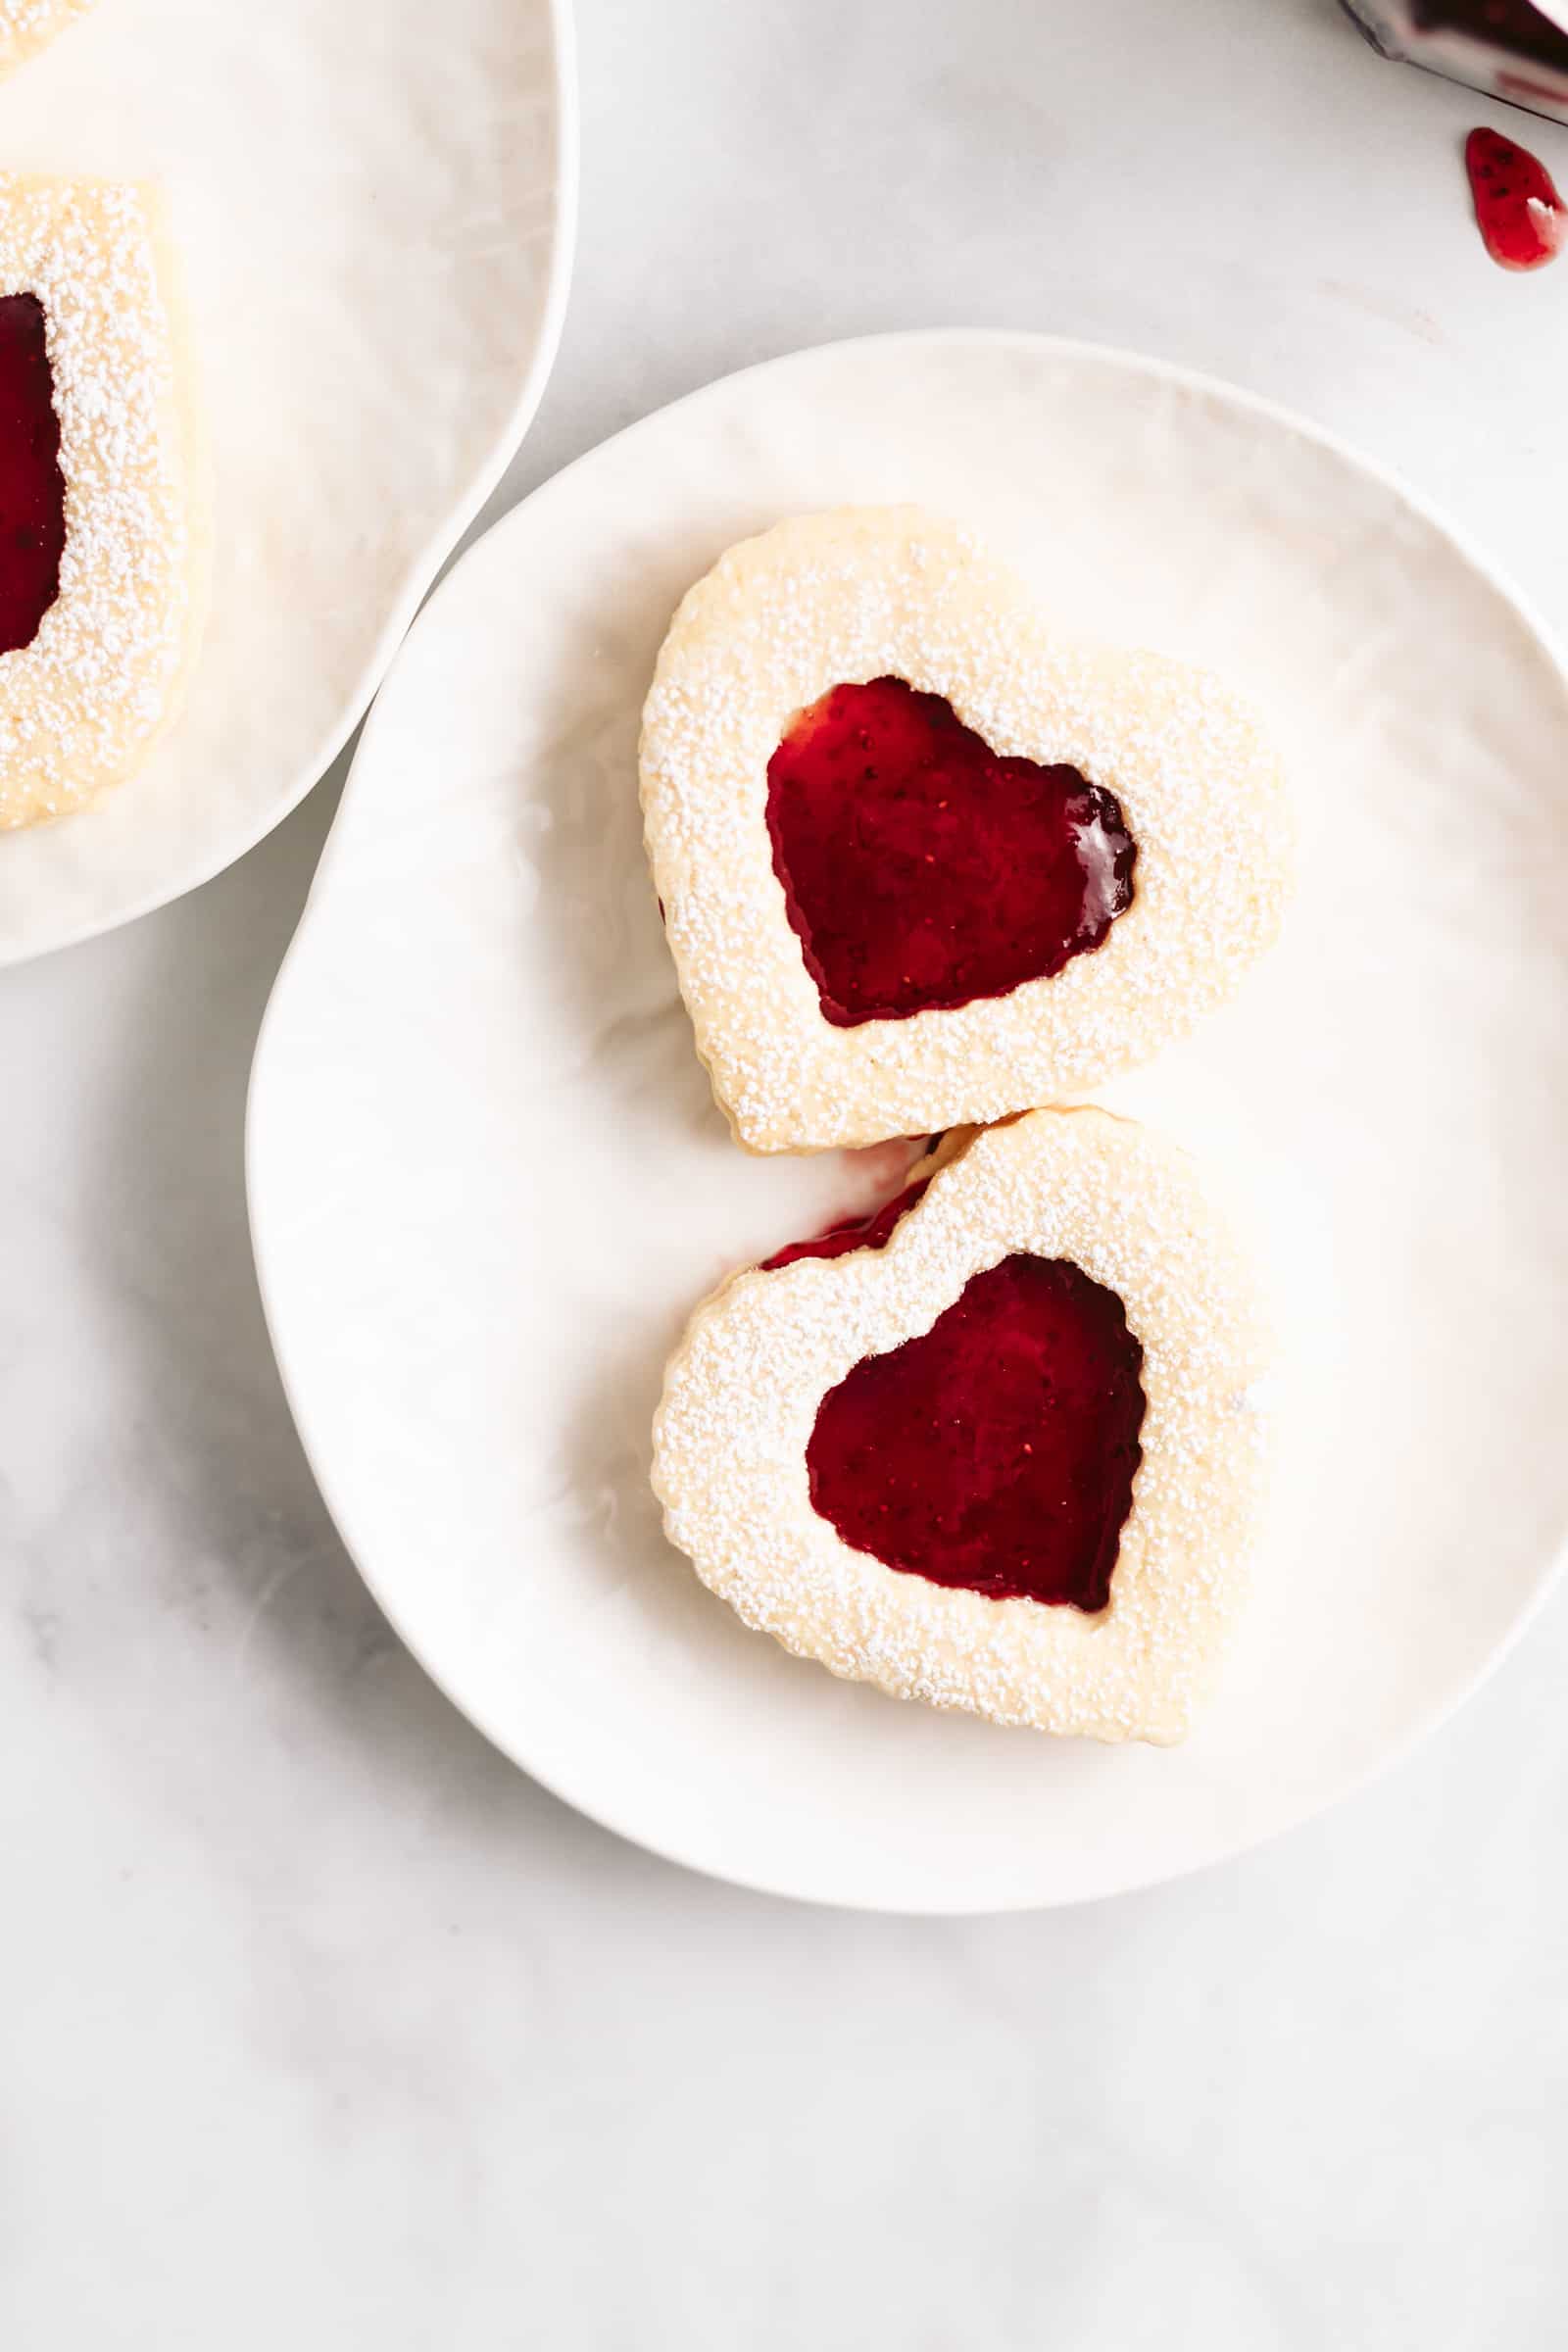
pixel 102 523
pixel 920 862
pixel 28 25
pixel 993 1450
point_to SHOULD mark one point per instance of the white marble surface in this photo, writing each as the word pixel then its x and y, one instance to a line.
pixel 320 2022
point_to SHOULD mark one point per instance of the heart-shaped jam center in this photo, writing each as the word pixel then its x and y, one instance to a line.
pixel 998 1451
pixel 32 488
pixel 920 869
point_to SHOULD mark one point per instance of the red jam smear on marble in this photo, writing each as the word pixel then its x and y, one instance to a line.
pixel 1518 210
pixel 850 1232
pixel 920 869
pixel 32 488
pixel 998 1451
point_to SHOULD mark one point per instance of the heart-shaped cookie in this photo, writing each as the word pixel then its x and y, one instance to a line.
pixel 999 1454
pixel 102 529
pixel 921 863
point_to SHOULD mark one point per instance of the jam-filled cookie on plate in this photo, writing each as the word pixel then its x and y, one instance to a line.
pixel 993 1449
pixel 920 860
pixel 103 533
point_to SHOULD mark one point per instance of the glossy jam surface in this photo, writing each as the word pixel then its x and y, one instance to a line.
pixel 32 488
pixel 998 1451
pixel 850 1233
pixel 1518 211
pixel 920 869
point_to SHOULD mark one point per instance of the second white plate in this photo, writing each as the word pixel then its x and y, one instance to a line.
pixel 372 206
pixel 487 1181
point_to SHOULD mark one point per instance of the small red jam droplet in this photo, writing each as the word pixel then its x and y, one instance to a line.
pixel 920 869
pixel 850 1233
pixel 32 488
pixel 1518 211
pixel 998 1451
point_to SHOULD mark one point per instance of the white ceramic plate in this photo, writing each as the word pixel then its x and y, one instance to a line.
pixel 487 1183
pixel 372 204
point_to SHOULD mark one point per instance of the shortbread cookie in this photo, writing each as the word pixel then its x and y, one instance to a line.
pixel 920 862
pixel 993 1449
pixel 26 25
pixel 102 524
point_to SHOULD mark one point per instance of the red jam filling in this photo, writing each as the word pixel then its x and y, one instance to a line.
pixel 1518 210
pixel 850 1232
pixel 998 1451
pixel 32 488
pixel 920 869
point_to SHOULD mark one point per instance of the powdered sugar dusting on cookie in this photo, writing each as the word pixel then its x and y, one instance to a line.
pixel 26 25
pixel 80 705
pixel 862 593
pixel 742 1391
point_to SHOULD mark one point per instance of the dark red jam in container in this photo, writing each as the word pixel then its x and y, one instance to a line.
pixel 1509 49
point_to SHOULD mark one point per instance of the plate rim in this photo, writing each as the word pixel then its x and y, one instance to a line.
pixel 424 573
pixel 1553 1564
